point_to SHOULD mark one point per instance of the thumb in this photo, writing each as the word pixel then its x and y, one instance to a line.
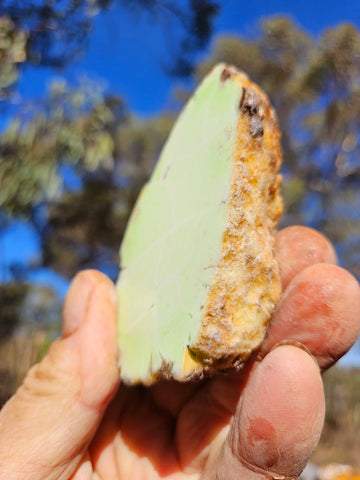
pixel 46 426
pixel 278 421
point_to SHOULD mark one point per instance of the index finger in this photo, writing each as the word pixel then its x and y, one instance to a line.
pixel 298 247
pixel 320 304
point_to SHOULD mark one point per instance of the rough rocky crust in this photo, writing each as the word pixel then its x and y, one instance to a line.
pixel 246 286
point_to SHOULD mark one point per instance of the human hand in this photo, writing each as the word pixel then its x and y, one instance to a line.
pixel 71 420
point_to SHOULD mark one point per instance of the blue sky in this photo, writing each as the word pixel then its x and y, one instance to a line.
pixel 128 55
pixel 128 52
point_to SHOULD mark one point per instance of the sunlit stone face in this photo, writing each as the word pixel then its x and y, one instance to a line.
pixel 199 281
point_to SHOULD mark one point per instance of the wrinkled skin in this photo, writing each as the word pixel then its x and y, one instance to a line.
pixel 72 420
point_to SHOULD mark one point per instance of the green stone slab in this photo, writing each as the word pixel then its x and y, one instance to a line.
pixel 174 239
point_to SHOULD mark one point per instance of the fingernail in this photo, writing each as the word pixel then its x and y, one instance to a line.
pixel 76 303
pixel 113 295
pixel 297 344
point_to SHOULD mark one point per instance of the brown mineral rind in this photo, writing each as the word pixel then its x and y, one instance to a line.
pixel 246 285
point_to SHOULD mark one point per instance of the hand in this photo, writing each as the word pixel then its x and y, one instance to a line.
pixel 71 420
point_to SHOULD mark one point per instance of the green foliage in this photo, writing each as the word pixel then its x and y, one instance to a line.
pixel 71 126
pixel 12 52
pixel 56 30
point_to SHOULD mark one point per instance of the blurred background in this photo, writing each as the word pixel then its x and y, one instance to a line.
pixel 89 90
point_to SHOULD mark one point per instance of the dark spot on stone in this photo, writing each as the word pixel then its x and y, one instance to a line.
pixel 225 74
pixel 165 174
pixel 237 363
pixel 249 259
pixel 165 370
pixel 250 106
pixel 272 191
pixel 272 161
pixel 256 127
